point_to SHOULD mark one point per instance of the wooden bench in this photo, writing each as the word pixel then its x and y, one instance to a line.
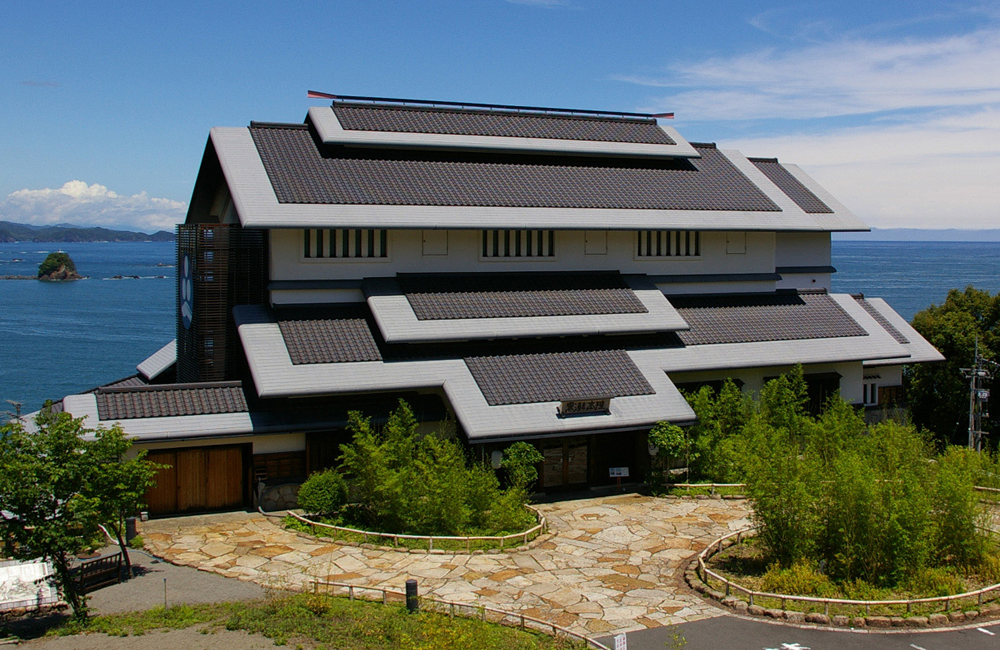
pixel 101 572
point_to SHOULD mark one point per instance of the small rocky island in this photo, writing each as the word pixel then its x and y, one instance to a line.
pixel 58 266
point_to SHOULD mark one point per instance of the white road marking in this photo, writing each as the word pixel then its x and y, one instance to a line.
pixel 792 646
pixel 916 647
pixel 986 631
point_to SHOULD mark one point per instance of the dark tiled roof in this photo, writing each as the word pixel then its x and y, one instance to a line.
pixel 301 173
pixel 763 317
pixel 796 191
pixel 169 400
pixel 128 382
pixel 528 378
pixel 456 121
pixel 335 334
pixel 881 320
pixel 511 295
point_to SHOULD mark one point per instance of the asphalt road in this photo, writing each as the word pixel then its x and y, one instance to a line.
pixel 731 633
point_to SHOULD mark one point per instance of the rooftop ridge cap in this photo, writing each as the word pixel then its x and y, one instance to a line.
pixel 546 354
pixel 395 101
pixel 703 145
pixel 757 159
pixel 254 124
pixel 555 114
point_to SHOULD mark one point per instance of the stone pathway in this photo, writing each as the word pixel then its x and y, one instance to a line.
pixel 610 564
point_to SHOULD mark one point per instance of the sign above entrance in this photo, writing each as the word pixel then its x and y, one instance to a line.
pixel 601 406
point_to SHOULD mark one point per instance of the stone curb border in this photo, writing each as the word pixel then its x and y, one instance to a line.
pixel 705 497
pixel 873 623
pixel 538 540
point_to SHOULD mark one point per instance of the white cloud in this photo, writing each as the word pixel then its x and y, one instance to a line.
pixel 844 77
pixel 941 172
pixel 912 130
pixel 80 204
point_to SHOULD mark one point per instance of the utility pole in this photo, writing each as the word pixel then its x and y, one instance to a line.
pixel 978 375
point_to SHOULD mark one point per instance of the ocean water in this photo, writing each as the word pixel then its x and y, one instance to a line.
pixel 911 276
pixel 58 338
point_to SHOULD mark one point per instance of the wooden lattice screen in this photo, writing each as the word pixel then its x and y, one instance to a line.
pixel 228 268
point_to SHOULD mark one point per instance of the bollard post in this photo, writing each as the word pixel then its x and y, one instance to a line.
pixel 412 599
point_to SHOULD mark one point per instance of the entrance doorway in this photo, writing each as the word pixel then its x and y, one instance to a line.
pixel 565 463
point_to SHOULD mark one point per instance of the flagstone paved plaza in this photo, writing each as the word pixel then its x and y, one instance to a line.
pixel 608 564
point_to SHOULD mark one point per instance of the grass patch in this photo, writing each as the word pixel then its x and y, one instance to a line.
pixel 746 564
pixel 323 621
pixel 137 623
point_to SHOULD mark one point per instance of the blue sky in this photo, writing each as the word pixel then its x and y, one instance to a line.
pixel 893 106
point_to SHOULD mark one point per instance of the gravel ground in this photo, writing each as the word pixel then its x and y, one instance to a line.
pixel 183 585
pixel 145 591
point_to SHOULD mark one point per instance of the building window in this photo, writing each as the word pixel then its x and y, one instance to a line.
pixel 519 243
pixel 870 394
pixel 669 243
pixel 344 243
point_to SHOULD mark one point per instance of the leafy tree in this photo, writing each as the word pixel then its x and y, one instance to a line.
pixel 59 483
pixel 119 483
pixel 937 393
pixel 715 436
pixel 45 486
pixel 519 460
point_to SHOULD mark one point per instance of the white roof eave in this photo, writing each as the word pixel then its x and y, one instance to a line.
pixel 330 131
pixel 258 207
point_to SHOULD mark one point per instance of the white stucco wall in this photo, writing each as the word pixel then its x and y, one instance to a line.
pixel 280 443
pixel 802 249
pixel 406 255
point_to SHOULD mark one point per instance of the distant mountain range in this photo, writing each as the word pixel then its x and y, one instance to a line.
pixel 14 232
pixel 920 234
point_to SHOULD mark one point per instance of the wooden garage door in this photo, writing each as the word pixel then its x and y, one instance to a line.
pixel 224 485
pixel 201 478
pixel 163 496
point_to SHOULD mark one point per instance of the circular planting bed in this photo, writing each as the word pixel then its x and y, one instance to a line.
pixel 707 574
pixel 436 544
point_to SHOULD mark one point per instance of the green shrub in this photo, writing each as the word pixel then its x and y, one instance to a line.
pixel 136 542
pixel 402 482
pixel 802 578
pixel 935 581
pixel 782 489
pixel 323 493
pixel 957 513
pixel 874 506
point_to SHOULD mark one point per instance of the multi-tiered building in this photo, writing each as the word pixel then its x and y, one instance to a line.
pixel 514 273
